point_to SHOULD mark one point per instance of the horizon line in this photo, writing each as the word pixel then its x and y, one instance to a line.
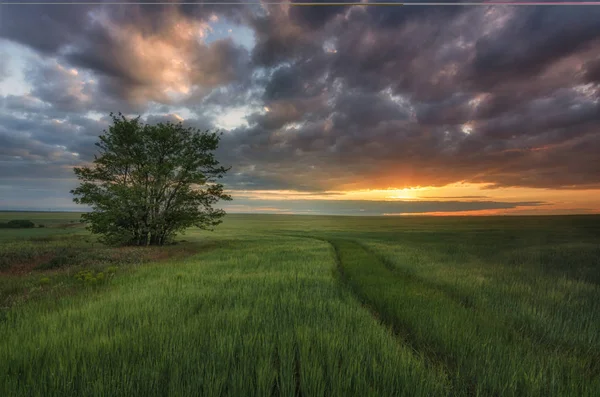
pixel 403 215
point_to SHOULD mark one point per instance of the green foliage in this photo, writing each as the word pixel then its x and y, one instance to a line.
pixel 17 224
pixel 150 182
pixel 57 249
pixel 44 281
pixel 63 256
pixel 91 277
pixel 111 269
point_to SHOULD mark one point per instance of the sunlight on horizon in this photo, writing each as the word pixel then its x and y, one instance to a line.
pixel 551 201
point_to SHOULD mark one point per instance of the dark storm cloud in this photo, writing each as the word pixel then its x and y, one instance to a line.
pixel 452 110
pixel 55 85
pixel 129 47
pixel 592 71
pixel 209 66
pixel 213 65
pixel 45 28
pixel 279 39
pixel 48 27
pixel 38 141
pixel 316 17
pixel 335 97
pixel 58 90
pixel 231 95
pixel 394 16
pixel 533 39
pixel 203 124
pixel 541 116
pixel 298 80
pixel 25 103
pixel 368 109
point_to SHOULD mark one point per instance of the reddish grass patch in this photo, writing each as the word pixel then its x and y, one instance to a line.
pixel 63 257
pixel 22 268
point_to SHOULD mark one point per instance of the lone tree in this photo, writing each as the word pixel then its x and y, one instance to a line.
pixel 150 182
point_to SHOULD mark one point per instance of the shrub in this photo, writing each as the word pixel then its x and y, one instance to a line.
pixel 89 277
pixel 63 257
pixel 21 223
pixel 111 269
pixel 17 224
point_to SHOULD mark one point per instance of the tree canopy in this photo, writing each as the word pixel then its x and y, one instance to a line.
pixel 150 182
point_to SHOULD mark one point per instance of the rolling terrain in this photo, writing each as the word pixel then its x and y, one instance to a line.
pixel 305 306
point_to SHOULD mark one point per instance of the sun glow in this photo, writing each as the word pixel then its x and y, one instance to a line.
pixel 549 201
pixel 404 194
pixel 366 194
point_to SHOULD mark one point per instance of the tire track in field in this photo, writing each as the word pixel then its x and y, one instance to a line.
pixel 465 301
pixel 402 330
pixel 462 383
pixel 528 334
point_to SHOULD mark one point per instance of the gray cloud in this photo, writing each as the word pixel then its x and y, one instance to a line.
pixel 316 17
pixel 357 97
pixel 3 67
pixel 45 28
pixel 531 40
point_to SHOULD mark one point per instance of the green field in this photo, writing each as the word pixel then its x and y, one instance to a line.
pixel 277 305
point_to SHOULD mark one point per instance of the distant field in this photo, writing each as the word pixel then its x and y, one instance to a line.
pixel 277 305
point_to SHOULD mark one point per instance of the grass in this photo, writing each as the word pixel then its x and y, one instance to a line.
pixel 301 305
pixel 243 319
pixel 483 353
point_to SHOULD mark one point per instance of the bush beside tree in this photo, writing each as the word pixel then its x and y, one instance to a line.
pixel 17 224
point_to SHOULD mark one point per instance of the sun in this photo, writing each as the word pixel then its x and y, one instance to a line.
pixel 403 194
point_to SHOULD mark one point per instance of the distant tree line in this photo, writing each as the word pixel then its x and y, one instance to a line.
pixel 17 224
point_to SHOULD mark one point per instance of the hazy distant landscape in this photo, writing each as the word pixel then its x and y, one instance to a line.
pixel 301 305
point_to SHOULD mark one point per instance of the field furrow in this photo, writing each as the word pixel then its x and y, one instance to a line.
pixel 305 306
pixel 249 318
pixel 482 355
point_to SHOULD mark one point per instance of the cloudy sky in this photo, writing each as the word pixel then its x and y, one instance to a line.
pixel 340 110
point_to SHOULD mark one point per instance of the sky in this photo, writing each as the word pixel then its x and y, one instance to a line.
pixel 348 110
